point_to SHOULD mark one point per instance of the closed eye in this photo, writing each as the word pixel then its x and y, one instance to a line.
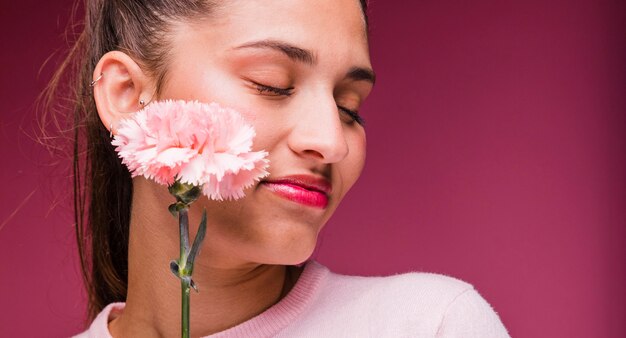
pixel 353 114
pixel 275 91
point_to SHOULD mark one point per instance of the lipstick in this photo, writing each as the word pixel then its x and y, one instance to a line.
pixel 303 189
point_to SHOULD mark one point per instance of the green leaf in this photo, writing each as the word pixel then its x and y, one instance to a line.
pixel 176 208
pixel 173 210
pixel 174 268
pixel 197 242
pixel 193 285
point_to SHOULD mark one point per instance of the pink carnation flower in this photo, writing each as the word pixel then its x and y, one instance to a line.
pixel 197 143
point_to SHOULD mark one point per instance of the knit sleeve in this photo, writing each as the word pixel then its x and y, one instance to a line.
pixel 470 316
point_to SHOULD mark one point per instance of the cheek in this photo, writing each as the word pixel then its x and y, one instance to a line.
pixel 270 128
pixel 356 158
pixel 196 81
pixel 227 91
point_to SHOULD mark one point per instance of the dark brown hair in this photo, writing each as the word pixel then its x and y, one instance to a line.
pixel 102 184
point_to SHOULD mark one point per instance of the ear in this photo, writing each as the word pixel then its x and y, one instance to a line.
pixel 122 85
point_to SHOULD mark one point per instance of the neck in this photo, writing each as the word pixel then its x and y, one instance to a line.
pixel 231 291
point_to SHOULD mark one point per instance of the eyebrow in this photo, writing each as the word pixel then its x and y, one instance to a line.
pixel 362 74
pixel 308 57
pixel 292 52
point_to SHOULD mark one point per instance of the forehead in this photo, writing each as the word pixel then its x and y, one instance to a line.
pixel 333 30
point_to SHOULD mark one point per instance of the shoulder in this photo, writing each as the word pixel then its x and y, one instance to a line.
pixel 470 315
pixel 99 326
pixel 429 290
pixel 428 302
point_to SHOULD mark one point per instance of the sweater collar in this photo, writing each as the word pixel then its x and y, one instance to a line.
pixel 281 314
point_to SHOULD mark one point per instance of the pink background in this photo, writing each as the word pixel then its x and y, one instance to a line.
pixel 497 154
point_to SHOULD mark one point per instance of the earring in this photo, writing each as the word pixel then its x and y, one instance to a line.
pixel 142 102
pixel 111 130
pixel 93 83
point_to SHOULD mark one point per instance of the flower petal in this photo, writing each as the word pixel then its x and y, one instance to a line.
pixel 197 143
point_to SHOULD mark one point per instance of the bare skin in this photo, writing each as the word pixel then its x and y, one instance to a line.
pixel 242 268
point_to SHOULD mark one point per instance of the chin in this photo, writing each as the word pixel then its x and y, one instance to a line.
pixel 301 256
pixel 291 251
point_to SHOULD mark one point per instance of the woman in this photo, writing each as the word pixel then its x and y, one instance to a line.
pixel 299 70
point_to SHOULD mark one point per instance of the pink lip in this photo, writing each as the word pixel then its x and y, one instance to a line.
pixel 303 189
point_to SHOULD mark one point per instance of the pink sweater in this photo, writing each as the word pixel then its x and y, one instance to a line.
pixel 325 304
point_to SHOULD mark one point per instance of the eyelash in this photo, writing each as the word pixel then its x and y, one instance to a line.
pixel 353 114
pixel 278 91
pixel 289 91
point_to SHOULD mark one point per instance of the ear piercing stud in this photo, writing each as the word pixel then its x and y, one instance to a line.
pixel 111 130
pixel 142 102
pixel 93 83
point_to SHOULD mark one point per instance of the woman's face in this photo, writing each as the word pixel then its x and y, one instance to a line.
pixel 294 69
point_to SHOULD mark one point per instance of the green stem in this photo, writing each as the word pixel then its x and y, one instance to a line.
pixel 183 219
pixel 185 307
pixel 186 193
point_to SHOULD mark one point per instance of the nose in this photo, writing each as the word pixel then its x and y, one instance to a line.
pixel 318 132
